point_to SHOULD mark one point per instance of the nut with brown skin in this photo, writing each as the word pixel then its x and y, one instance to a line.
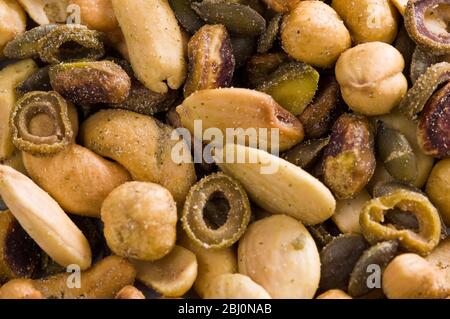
pixel 349 159
pixel 130 292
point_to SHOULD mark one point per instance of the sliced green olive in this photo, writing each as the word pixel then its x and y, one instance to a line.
pixel 397 154
pixel 25 45
pixel 292 85
pixel 260 66
pixel 71 42
pixel 45 107
pixel 238 18
pixel 306 153
pixel 38 81
pixel 338 259
pixel 186 16
pixel 379 255
pixel 268 37
pixel 423 241
pixel 216 212
pixel 90 82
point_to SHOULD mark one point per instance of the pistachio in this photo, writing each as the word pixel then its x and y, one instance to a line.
pixel 292 85
pixel 25 45
pixel 280 238
pixel 241 108
pixel 90 82
pixel 70 42
pixel 380 255
pixel 422 60
pixel 426 22
pixel 313 40
pixel 211 60
pixel 260 66
pixel 235 286
pixel 347 212
pixel 279 186
pixel 13 22
pixel 171 276
pixel 429 232
pixel 319 116
pixel 43 219
pixel 186 16
pixel 397 154
pixel 38 81
pixel 10 77
pixel 237 18
pixel 129 292
pixel 338 259
pixel 349 159
pixel 306 153
pixel 243 48
pixel 19 254
pixel 267 39
pixel 142 145
pixel 154 41
pixel 438 188
pixel 334 294
pixel 140 220
pixel 434 125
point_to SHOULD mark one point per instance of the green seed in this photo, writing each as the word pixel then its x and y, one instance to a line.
pixel 243 49
pixel 260 66
pixel 186 16
pixel 306 153
pixel 267 39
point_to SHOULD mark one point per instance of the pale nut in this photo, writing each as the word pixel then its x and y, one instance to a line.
pixel 235 286
pixel 44 220
pixel 19 289
pixel 371 79
pixel 334 294
pixel 130 292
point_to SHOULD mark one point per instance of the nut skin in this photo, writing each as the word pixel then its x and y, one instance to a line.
pixel 140 221
pixel 349 159
pixel 211 60
pixel 129 292
pixel 19 289
pixel 434 124
pixel 314 33
pixel 438 189
pixel 371 79
pixel 368 20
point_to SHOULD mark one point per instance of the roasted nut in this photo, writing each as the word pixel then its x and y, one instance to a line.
pixel 19 254
pixel 211 60
pixel 154 42
pixel 245 109
pixel 346 216
pixel 279 254
pixel 334 294
pixel 77 178
pixel 235 286
pixel 380 255
pixel 38 81
pixel 171 276
pixel 90 82
pixel 44 220
pixel 282 6
pixel 371 79
pixel 396 153
pixel 10 77
pixel 102 281
pixel 19 289
pixel 349 159
pixel 434 125
pixel 439 258
pixel 40 123
pixel 97 14
pixel 338 259
pixel 306 153
pixel 423 241
pixel 237 18
pixel 426 22
pixel 319 116
pixel 292 85
pixel 314 33
pixel 278 186
pixel 211 263
pixel 400 5
pixel 267 39
pixel 186 16
pixel 222 225
pixel 129 292
pixel 438 189
pixel 12 22
pixel 409 276
pixel 70 42
pixel 260 66
pixel 140 221
pixel 142 145
pixel 25 45
pixel 368 20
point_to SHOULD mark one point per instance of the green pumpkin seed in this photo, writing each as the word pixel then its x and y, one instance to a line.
pixel 243 49
pixel 238 18
pixel 267 39
pixel 306 153
pixel 186 16
pixel 260 66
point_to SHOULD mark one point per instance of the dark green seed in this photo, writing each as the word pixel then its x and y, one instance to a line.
pixel 267 39
pixel 186 16
pixel 243 49
pixel 306 153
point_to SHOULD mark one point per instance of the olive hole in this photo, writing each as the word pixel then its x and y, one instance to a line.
pixel 215 212
pixel 42 124
pixel 401 220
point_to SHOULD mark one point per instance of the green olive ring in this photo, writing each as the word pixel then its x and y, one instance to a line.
pixel 422 242
pixel 199 229
pixel 36 103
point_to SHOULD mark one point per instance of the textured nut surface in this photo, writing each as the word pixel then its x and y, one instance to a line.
pixel 438 189
pixel 235 286
pixel 140 220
